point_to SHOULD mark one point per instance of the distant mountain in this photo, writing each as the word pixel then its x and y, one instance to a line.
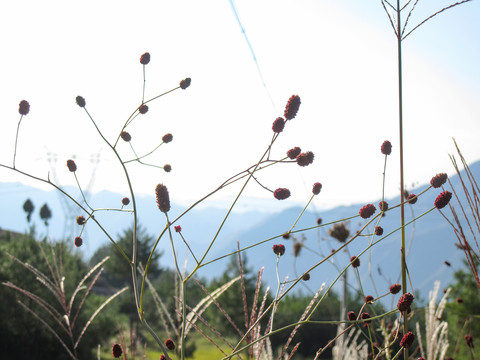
pixel 430 240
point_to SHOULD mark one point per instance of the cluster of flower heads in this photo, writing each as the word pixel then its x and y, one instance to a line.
pixel 279 249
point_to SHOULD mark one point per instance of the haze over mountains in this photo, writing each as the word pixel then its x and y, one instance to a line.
pixel 431 240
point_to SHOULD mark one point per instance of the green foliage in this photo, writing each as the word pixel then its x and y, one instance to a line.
pixel 463 313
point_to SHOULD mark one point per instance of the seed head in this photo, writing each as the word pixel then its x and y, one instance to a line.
pixel 443 199
pixel 306 277
pixel 355 261
pixel 292 107
pixel 316 188
pixel 167 138
pixel 78 241
pixel 438 180
pixel 383 206
pixel 339 231
pixel 395 288
pixel 367 211
pixel 469 340
pixel 142 109
pixel 279 249
pixel 116 350
pixel 286 236
pixel 167 167
pixel 351 316
pixel 407 339
pixel 447 263
pixel 23 107
pixel 185 83
pixel 81 220
pixel 170 344
pixel 293 153
pixel 145 58
pixel 412 199
pixel 296 248
pixel 80 101
pixel 404 302
pixel 305 159
pixel 125 201
pixel 281 194
pixel 459 300
pixel 369 299
pixel 163 199
pixel 378 230
pixel 71 165
pixel 365 316
pixel 386 147
pixel 278 125
pixel 178 228
pixel 125 136
pixel 319 221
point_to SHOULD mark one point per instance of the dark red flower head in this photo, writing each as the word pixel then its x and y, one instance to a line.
pixel 306 277
pixel 438 180
pixel 23 107
pixel 407 339
pixel 365 316
pixel 162 357
pixel 369 299
pixel 395 288
pixel 170 344
pixel 78 241
pixel 293 153
pixel 367 211
pixel 279 249
pixel 116 350
pixel 178 228
pixel 319 221
pixel 383 206
pixel 378 230
pixel 355 261
pixel 167 167
pixel 72 167
pixel 185 83
pixel 386 147
pixel 447 263
pixel 469 340
pixel 142 109
pixel 125 136
pixel 281 194
pixel 167 138
pixel 125 201
pixel 145 58
pixel 81 220
pixel 443 199
pixel 405 302
pixel 316 188
pixel 412 199
pixel 163 199
pixel 351 316
pixel 286 236
pixel 292 107
pixel 305 158
pixel 80 101
pixel 278 125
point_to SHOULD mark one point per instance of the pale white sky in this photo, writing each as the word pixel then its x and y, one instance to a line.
pixel 338 56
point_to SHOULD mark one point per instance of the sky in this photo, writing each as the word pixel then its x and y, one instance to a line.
pixel 338 56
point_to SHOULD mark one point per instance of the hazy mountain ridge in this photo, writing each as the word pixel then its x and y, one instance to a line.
pixel 433 240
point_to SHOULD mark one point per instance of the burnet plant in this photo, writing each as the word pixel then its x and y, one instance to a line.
pixel 369 334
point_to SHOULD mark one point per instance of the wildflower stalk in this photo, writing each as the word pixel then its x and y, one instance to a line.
pixel 16 140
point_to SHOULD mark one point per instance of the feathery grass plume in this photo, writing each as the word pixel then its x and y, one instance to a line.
pixel 163 199
pixel 281 194
pixel 23 107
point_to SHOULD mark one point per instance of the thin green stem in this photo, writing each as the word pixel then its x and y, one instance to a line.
pixel 299 216
pixel 16 140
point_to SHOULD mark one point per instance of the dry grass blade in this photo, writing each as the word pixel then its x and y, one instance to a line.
pixel 294 350
pixel 242 278
pixel 253 315
pixel 96 313
pixel 50 329
pixel 206 302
